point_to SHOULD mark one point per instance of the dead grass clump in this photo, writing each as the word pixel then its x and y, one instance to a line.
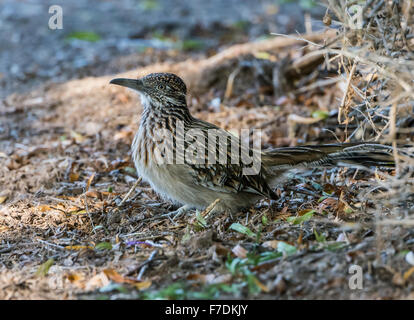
pixel 374 52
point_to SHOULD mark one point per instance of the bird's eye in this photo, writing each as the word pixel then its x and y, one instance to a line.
pixel 161 86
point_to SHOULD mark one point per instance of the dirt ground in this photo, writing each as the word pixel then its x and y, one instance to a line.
pixel 65 168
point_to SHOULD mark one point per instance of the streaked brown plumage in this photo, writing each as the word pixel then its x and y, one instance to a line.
pixel 163 97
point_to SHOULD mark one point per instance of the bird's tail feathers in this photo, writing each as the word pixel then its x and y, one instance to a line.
pixel 347 154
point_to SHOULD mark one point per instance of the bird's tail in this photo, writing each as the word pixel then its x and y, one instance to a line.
pixel 346 154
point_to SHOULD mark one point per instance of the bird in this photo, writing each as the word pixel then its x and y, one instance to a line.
pixel 180 170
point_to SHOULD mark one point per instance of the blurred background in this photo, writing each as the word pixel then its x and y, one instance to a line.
pixel 110 36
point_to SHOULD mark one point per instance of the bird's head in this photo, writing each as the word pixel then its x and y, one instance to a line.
pixel 157 89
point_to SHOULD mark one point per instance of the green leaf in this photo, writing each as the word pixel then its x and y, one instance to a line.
pixel 103 246
pixel 298 220
pixel 200 219
pixel 286 248
pixel 233 265
pixel 319 114
pixel 262 55
pixel 348 210
pixel 84 36
pixel 186 236
pixel 149 5
pixel 192 44
pixel 319 237
pixel 264 220
pixel 130 170
pixel 44 268
pixel 242 229
pixel 336 246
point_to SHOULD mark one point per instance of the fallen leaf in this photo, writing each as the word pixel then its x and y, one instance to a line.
pixel 142 285
pixel 203 278
pixel 239 251
pixel 73 177
pixel 398 279
pixel 76 279
pixel 261 285
pixel 242 229
pixel 103 245
pixel 285 248
pixel 73 277
pixel 77 136
pixel 116 277
pixel 43 208
pixel 408 273
pixel 78 247
pixel 94 194
pixel 44 268
pixel 270 244
pixel 88 184
pixel 98 281
pixel 302 217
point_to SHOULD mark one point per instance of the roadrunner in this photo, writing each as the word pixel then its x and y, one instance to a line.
pixel 189 177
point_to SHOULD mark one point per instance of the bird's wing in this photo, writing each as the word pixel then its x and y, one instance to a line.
pixel 218 161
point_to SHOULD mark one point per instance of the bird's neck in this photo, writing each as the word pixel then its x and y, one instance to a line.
pixel 156 114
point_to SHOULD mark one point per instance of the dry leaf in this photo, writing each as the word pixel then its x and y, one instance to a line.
pixel 261 285
pixel 203 278
pixel 78 247
pixel 93 194
pixel 271 244
pixel 116 277
pixel 408 273
pixel 88 184
pixel 239 251
pixel 224 278
pixel 44 268
pixel 98 281
pixel 142 285
pixel 77 279
pixel 43 208
pixel 77 136
pixel 73 177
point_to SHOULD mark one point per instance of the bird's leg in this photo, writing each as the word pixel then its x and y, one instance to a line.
pixel 177 213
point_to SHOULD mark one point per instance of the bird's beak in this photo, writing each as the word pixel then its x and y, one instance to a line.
pixel 135 84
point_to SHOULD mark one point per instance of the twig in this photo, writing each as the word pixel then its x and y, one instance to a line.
pixel 137 182
pixel 230 82
pixel 7 249
pixel 209 209
pixel 146 264
pixel 392 222
pixel 51 244
pixel 317 84
pixel 296 38
pixel 348 82
pixel 88 184
pixel 143 266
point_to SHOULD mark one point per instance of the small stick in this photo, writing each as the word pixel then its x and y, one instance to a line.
pixel 88 184
pixel 348 82
pixel 51 244
pixel 230 81
pixel 130 191
pixel 209 209
pixel 143 266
